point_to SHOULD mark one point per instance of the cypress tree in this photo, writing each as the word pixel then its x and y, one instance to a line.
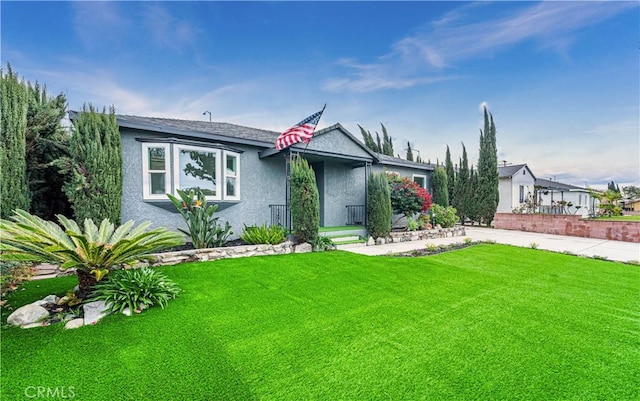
pixel 387 142
pixel 379 144
pixel 368 140
pixel 473 196
pixel 13 172
pixel 440 188
pixel 95 166
pixel 409 152
pixel 379 211
pixel 461 190
pixel 488 171
pixel 451 175
pixel 305 201
pixel 47 142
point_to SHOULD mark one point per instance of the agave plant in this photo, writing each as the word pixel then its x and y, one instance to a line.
pixel 93 252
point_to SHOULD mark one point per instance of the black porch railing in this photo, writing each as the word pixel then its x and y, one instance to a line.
pixel 356 215
pixel 280 216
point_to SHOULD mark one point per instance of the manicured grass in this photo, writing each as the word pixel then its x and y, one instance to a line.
pixel 340 228
pixel 621 218
pixel 486 322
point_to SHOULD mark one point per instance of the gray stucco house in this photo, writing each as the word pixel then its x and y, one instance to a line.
pixel 240 170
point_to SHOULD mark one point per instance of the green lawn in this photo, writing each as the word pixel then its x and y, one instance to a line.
pixel 489 322
pixel 621 218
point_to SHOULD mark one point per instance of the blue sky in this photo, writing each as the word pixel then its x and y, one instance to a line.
pixel 561 78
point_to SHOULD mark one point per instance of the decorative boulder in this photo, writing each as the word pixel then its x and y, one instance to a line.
pixel 371 241
pixel 380 241
pixel 94 311
pixel 305 247
pixel 28 314
pixel 49 299
pixel 74 324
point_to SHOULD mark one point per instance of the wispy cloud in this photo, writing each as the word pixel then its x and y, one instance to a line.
pixel 424 57
pixel 97 23
pixel 168 31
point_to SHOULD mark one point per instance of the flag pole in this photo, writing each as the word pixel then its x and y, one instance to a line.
pixel 321 113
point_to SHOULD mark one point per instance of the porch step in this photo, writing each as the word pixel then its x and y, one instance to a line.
pixel 342 239
pixel 334 232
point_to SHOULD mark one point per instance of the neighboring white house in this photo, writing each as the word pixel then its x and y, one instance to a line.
pixel 516 185
pixel 558 198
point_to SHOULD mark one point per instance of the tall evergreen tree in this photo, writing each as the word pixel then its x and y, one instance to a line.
pixel 46 142
pixel 95 166
pixel 473 209
pixel 440 187
pixel 387 142
pixel 451 175
pixel 305 201
pixel 409 152
pixel 368 140
pixel 488 171
pixel 13 172
pixel 379 211
pixel 461 190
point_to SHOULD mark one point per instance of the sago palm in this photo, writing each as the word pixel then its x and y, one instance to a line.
pixel 93 252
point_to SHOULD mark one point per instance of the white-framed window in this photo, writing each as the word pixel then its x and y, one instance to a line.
pixel 197 167
pixel 156 181
pixel 521 194
pixel 231 175
pixel 420 179
pixel 168 167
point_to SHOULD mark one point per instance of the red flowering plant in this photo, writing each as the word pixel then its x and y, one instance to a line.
pixel 407 197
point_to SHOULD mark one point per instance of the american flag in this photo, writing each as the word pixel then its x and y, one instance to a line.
pixel 301 132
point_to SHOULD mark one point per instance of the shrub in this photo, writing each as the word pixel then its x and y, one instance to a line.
pixel 135 289
pixel 305 202
pixel 407 197
pixel 322 244
pixel 412 225
pixel 93 252
pixel 94 165
pixel 379 211
pixel 445 216
pixel 202 227
pixel 263 234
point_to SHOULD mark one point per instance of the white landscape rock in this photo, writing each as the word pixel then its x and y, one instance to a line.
pixel 380 241
pixel 49 299
pixel 371 241
pixel 94 311
pixel 74 324
pixel 304 247
pixel 27 315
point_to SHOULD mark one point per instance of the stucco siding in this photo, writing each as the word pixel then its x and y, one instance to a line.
pixel 405 172
pixel 337 142
pixel 343 186
pixel 262 182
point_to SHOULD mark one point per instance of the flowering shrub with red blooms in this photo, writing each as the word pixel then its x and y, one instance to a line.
pixel 407 197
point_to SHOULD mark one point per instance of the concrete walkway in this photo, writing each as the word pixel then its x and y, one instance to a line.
pixel 612 250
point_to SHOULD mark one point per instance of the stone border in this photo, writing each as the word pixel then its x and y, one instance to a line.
pixel 405 236
pixel 201 255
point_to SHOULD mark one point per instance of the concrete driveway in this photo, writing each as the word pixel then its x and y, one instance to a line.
pixel 612 250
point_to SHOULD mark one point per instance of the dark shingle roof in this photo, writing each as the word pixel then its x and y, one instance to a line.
pixel 510 170
pixel 201 129
pixel 395 161
pixel 548 184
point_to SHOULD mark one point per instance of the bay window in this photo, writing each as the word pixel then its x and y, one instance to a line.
pixel 168 167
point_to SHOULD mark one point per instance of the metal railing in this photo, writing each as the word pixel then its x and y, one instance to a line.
pixel 281 216
pixel 356 215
